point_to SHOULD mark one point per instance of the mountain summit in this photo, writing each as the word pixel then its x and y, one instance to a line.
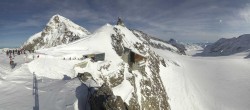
pixel 59 30
pixel 120 22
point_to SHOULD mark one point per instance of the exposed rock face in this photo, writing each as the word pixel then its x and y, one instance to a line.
pixel 179 46
pixel 120 22
pixel 59 30
pixel 153 94
pixel 228 46
pixel 84 76
pixel 116 79
pixel 156 91
pixel 117 42
pixel 104 99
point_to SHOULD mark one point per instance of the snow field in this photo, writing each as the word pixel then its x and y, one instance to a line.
pixel 207 83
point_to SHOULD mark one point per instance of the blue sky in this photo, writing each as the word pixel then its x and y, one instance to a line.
pixel 184 20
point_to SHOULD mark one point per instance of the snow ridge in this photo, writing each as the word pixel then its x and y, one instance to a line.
pixel 158 43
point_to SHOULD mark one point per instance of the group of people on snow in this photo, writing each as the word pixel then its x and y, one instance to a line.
pixel 73 58
pixel 12 53
pixel 18 52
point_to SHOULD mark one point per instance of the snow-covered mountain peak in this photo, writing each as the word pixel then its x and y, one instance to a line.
pixel 59 30
pixel 63 24
pixel 57 19
pixel 120 22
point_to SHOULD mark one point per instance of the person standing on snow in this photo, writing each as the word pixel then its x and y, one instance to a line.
pixel 11 60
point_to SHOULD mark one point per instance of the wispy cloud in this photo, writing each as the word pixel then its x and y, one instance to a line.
pixel 245 13
pixel 192 20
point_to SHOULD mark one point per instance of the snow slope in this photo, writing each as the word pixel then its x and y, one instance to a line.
pixel 207 83
pixel 17 88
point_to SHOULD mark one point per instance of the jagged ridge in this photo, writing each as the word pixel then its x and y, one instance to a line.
pixel 159 43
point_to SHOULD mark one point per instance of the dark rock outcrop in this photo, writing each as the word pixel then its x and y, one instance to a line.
pixel 104 99
pixel 120 22
pixel 84 76
pixel 179 46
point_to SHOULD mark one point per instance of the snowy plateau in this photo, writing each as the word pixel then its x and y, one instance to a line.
pixel 138 72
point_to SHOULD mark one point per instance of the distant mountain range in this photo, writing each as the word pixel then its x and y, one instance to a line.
pixel 230 46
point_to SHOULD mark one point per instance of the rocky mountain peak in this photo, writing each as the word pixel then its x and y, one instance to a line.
pixel 59 30
pixel 120 22
pixel 60 22
pixel 58 17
